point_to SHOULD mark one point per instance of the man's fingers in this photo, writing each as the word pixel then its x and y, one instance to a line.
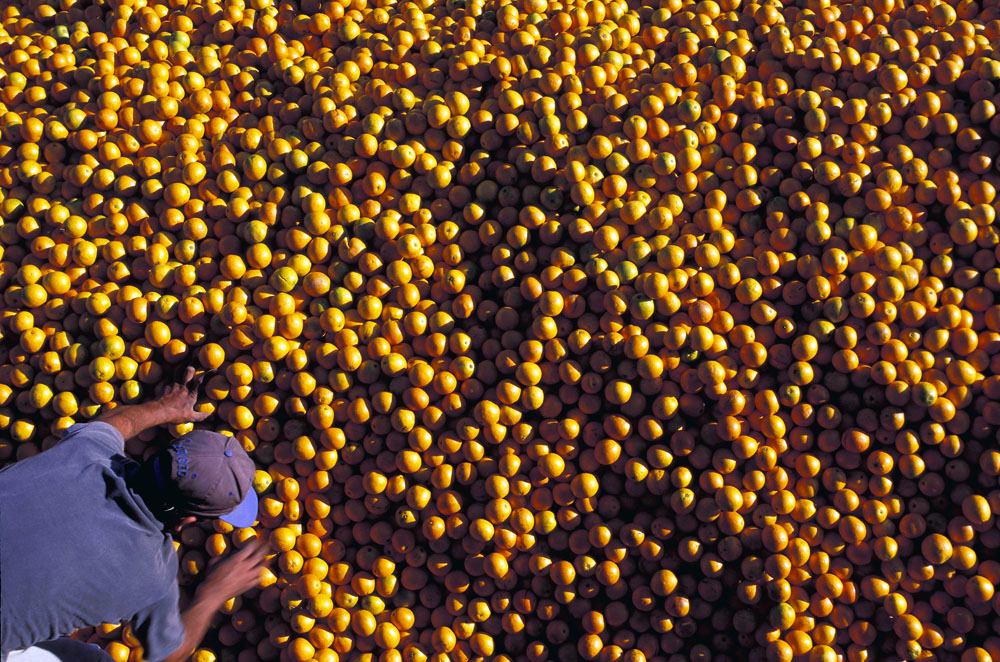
pixel 188 374
pixel 253 574
pixel 250 582
pixel 195 382
pixel 260 553
pixel 245 552
pixel 254 549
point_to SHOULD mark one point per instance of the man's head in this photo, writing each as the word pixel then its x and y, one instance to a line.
pixel 205 474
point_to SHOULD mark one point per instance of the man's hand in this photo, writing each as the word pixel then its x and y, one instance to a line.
pixel 236 574
pixel 228 578
pixel 178 400
pixel 175 405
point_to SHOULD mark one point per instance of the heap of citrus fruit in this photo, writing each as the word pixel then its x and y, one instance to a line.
pixel 580 329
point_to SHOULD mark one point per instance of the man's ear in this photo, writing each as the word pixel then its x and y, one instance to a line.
pixel 184 521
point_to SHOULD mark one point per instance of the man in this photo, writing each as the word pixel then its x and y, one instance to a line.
pixel 85 534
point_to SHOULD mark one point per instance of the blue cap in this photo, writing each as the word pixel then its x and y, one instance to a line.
pixel 210 475
pixel 245 514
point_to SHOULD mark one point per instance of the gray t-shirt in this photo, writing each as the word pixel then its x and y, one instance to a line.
pixel 79 548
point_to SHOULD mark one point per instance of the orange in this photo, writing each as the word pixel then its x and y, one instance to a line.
pixel 507 281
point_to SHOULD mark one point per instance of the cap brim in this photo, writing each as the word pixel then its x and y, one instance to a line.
pixel 245 514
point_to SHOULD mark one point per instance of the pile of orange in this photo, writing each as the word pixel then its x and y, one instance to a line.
pixel 559 329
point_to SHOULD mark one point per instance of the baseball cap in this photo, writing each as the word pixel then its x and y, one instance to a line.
pixel 209 475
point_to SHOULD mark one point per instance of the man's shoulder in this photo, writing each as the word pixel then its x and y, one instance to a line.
pixel 86 443
pixel 161 575
pixel 82 445
pixel 159 552
pixel 95 435
pixel 145 560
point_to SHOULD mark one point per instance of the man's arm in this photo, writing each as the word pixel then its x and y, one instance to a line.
pixel 196 619
pixel 176 405
pixel 231 577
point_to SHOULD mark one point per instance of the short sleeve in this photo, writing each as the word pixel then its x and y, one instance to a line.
pixel 102 436
pixel 159 627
